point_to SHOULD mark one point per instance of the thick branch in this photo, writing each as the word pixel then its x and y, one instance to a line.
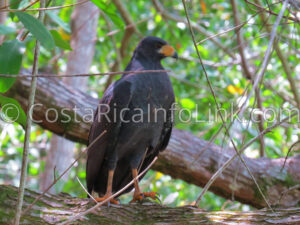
pixel 184 148
pixel 52 209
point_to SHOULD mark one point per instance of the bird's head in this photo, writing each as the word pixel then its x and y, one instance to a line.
pixel 155 48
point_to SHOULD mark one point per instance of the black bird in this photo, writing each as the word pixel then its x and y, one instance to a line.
pixel 137 113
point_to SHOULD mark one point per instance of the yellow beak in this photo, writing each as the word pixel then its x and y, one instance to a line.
pixel 168 50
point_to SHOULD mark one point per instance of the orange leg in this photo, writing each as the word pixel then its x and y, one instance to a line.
pixel 138 195
pixel 108 190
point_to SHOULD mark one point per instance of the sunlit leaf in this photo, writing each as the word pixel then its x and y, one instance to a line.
pixel 233 89
pixel 158 175
pixel 203 6
pixel 203 51
pixel 59 42
pixel 11 111
pixel 32 170
pixel 38 29
pixel 64 35
pixel 187 103
pixel 55 18
pixel 157 18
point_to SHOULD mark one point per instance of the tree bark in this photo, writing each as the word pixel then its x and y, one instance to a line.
pixel 52 209
pixel 184 157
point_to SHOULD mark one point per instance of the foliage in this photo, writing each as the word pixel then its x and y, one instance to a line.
pixel 10 63
pixel 190 85
pixel 37 29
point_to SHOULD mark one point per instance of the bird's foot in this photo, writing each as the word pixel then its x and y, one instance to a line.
pixel 111 201
pixel 139 196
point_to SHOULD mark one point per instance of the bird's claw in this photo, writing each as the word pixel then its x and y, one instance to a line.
pixel 143 195
pixel 111 201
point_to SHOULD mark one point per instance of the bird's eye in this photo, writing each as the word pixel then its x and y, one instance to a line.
pixel 158 45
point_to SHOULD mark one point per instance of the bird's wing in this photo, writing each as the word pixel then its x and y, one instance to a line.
pixel 116 98
pixel 166 131
pixel 163 141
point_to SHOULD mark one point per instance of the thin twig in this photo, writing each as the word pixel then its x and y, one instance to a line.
pixel 260 122
pixel 126 16
pixel 169 16
pixel 28 124
pixel 236 27
pixel 55 181
pixel 286 191
pixel 271 12
pixel 85 74
pixel 248 73
pixel 266 57
pixel 285 64
pixel 44 9
pixel 240 41
pixel 91 196
pixel 220 128
pixel 229 161
pixel 222 32
pixel 118 61
pixel 218 107
pixel 30 4
pixel 125 40
pixel 127 27
pixel 6 6
pixel 79 215
pixel 287 155
pixel 284 95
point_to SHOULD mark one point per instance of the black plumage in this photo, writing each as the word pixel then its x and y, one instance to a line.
pixel 136 111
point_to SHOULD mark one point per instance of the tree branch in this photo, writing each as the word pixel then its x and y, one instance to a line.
pixel 52 209
pixel 184 148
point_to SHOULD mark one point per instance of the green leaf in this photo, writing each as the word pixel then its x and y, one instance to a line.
pixel 11 111
pixel 55 18
pixel 6 30
pixel 10 62
pixel 187 103
pixel 14 4
pixel 33 171
pixel 111 11
pixel 37 29
pixel 59 41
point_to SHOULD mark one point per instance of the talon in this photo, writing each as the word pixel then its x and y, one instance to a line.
pixel 111 201
pixel 143 195
pixel 157 198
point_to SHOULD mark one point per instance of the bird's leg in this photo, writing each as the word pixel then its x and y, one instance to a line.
pixel 138 195
pixel 108 189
